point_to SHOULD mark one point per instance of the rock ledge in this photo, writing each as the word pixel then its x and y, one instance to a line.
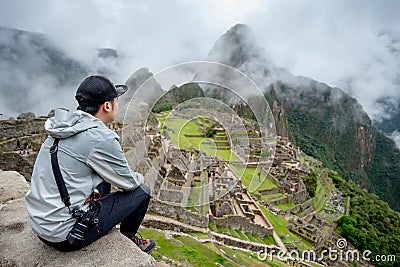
pixel 20 247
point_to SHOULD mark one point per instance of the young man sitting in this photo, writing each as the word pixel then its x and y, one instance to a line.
pixel 90 160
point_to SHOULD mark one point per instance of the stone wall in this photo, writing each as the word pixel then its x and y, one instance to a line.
pixel 178 213
pixel 299 208
pixel 166 225
pixel 11 161
pixel 12 144
pixel 235 242
pixel 175 196
pixel 269 191
pixel 17 128
pixel 241 223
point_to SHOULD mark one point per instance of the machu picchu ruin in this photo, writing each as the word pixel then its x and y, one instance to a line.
pixel 245 194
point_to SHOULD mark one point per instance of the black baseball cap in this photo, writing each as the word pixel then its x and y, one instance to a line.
pixel 95 90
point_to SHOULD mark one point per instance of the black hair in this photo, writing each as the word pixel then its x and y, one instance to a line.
pixel 90 110
pixel 93 110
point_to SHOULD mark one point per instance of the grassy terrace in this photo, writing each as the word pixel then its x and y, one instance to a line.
pixel 324 187
pixel 182 127
pixel 250 178
pixel 273 197
pixel 280 224
pixel 189 251
pixel 194 195
pixel 285 206
pixel 196 200
pixel 268 240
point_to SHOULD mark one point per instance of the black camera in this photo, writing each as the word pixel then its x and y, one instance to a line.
pixel 85 220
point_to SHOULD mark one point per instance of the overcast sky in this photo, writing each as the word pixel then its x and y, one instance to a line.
pixel 354 45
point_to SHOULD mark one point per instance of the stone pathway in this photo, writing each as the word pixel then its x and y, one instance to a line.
pixel 150 217
pixel 278 241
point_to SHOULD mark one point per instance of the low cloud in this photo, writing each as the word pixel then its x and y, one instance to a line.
pixel 396 137
pixel 352 45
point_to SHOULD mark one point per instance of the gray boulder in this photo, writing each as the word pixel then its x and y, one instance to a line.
pixel 20 247
pixel 12 186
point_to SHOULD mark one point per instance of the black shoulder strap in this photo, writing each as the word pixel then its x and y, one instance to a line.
pixel 57 174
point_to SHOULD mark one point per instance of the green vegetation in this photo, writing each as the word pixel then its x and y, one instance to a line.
pixel 189 251
pixel 273 197
pixel 310 182
pixel 268 240
pixel 253 178
pixel 323 189
pixel 371 223
pixel 332 135
pixel 185 133
pixel 212 226
pixel 285 206
pixel 185 249
pixel 211 131
pixel 194 195
pixel 261 152
pixel 177 95
pixel 280 224
pixel 384 171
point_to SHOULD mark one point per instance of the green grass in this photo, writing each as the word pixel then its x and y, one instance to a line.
pixel 285 206
pixel 273 197
pixel 230 231
pixel 194 196
pixel 199 235
pixel 212 226
pixel 194 253
pixel 250 259
pixel 241 235
pixel 280 224
pixel 251 180
pixel 324 187
pixel 161 116
pixel 269 240
pixel 184 127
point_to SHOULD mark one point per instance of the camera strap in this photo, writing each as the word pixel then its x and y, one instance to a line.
pixel 57 174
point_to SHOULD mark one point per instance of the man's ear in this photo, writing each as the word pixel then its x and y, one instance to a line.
pixel 107 106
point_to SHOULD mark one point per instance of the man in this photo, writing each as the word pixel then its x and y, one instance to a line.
pixel 90 159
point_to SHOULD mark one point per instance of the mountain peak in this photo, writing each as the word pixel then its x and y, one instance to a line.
pixel 236 47
pixel 240 29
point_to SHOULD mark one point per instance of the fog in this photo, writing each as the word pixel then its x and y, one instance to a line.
pixel 353 45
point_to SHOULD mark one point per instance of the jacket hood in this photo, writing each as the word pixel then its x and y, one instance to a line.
pixel 65 124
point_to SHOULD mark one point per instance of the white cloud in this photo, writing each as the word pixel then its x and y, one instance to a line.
pixel 350 44
pixel 396 137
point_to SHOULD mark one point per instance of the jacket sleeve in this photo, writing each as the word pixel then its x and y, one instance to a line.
pixel 109 162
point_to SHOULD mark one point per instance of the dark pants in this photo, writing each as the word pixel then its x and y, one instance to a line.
pixel 125 207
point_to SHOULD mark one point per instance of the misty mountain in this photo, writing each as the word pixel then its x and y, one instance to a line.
pixel 151 89
pixel 131 102
pixel 107 62
pixel 390 124
pixel 34 71
pixel 37 76
pixel 324 121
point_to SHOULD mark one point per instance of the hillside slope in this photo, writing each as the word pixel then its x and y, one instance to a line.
pixel 324 121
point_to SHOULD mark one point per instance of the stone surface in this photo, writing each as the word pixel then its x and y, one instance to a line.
pixel 20 247
pixel 26 115
pixel 12 186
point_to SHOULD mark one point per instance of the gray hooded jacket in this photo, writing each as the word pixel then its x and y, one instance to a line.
pixel 88 154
